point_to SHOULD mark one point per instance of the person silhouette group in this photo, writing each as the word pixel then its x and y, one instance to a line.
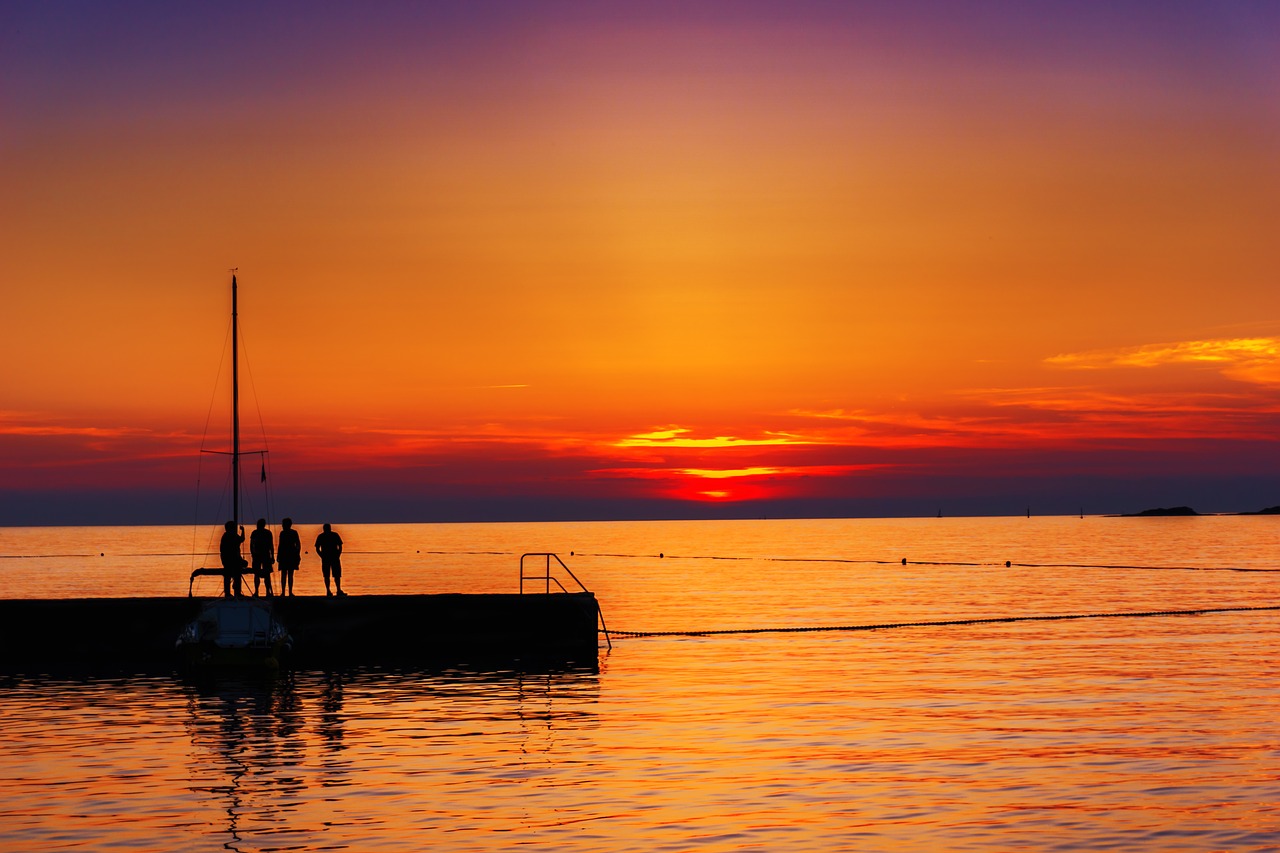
pixel 264 553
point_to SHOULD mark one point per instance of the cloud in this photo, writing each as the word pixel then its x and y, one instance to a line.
pixel 728 473
pixel 12 423
pixel 816 469
pixel 1252 360
pixel 679 437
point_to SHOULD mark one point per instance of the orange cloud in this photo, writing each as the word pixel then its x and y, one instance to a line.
pixel 15 423
pixel 1254 360
pixel 677 437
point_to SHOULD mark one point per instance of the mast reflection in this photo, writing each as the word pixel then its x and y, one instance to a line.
pixel 247 751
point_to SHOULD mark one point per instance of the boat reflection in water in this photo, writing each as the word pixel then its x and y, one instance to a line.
pixel 239 729
pixel 233 633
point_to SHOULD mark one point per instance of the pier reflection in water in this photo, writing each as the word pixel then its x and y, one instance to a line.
pixel 346 760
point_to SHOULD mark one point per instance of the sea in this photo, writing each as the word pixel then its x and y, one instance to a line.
pixel 766 685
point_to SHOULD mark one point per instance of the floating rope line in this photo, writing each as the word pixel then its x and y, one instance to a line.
pixel 1007 564
pixel 844 560
pixel 47 556
pixel 99 554
pixel 940 623
pixel 1140 568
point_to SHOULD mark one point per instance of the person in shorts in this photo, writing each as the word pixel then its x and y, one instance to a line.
pixel 329 547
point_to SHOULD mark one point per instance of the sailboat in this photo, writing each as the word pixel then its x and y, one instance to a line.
pixel 233 632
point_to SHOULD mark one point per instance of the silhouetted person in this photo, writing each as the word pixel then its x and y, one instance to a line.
pixel 289 555
pixel 329 547
pixel 263 550
pixel 232 562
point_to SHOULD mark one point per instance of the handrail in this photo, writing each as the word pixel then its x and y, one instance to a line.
pixel 546 575
pixel 548 578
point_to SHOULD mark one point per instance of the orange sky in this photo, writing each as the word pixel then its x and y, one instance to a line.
pixel 561 262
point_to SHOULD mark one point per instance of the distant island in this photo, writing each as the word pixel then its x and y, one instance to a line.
pixel 1161 511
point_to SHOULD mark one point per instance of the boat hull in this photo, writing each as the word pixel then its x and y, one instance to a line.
pixel 234 634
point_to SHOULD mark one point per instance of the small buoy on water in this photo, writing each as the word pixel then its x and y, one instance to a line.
pixel 1006 564
pixel 101 554
pixel 904 561
pixel 661 555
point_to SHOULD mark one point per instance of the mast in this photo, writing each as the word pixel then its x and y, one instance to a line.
pixel 235 408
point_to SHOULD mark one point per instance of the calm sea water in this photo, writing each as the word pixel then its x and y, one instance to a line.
pixel 1156 733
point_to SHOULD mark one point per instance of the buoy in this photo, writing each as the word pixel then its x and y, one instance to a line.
pixel 904 561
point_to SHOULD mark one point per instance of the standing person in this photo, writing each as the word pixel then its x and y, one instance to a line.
pixel 262 548
pixel 232 562
pixel 329 547
pixel 289 554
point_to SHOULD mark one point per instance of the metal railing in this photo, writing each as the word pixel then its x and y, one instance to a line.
pixel 548 577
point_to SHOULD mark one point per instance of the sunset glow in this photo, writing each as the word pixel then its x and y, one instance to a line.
pixel 586 262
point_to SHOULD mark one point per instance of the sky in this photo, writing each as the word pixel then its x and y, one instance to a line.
pixel 663 260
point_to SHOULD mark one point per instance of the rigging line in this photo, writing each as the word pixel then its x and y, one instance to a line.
pixel 214 396
pixel 195 521
pixel 941 623
pixel 257 402
pixel 204 438
pixel 265 453
pixel 212 547
pixel 269 479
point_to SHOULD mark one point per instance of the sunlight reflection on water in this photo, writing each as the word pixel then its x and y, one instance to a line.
pixel 1155 733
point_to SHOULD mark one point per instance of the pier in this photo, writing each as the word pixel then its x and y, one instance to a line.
pixel 138 634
